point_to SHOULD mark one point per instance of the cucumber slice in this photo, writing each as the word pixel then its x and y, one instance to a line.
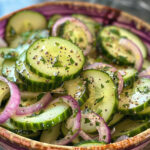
pixel 92 143
pixel 50 135
pixel 129 76
pixel 26 133
pixel 31 79
pixel 99 83
pixel 77 34
pixel 52 21
pixel 130 128
pixel 144 114
pixel 55 58
pixel 4 91
pixel 146 64
pixel 27 101
pixel 52 115
pixel 135 99
pixel 29 37
pixel 8 71
pixel 116 118
pixel 5 53
pixel 92 25
pixel 24 21
pixel 77 88
pixel 65 131
pixel 108 40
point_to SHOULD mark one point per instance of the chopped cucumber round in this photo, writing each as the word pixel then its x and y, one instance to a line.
pixel 24 21
pixel 55 58
pixel 102 94
pixel 129 76
pixel 135 99
pixel 91 143
pixel 92 25
pixel 130 128
pixel 116 118
pixel 77 88
pixel 33 80
pixel 9 71
pixel 50 135
pixel 108 40
pixel 26 133
pixel 52 115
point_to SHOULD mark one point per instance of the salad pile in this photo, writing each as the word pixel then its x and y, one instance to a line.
pixel 73 81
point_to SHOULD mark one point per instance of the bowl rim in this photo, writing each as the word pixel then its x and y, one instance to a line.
pixel 36 145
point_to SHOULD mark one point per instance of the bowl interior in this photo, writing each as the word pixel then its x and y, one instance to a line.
pixel 103 15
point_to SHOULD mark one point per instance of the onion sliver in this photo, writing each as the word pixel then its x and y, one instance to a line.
pixel 62 20
pixel 13 102
pixel 111 68
pixel 85 136
pixel 35 107
pixel 101 126
pixel 76 119
pixel 134 50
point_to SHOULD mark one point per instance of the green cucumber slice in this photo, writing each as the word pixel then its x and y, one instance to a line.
pixel 31 79
pixel 146 64
pixel 52 20
pixel 52 115
pixel 24 21
pixel 9 71
pixel 27 101
pixel 4 91
pixel 92 143
pixel 135 99
pixel 144 114
pixel 92 25
pixel 108 39
pixel 116 118
pixel 130 128
pixel 29 37
pixel 77 88
pixel 26 133
pixel 99 83
pixel 129 76
pixel 50 135
pixel 75 33
pixel 6 53
pixel 55 58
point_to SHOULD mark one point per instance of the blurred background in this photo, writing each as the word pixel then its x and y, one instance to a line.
pixel 140 8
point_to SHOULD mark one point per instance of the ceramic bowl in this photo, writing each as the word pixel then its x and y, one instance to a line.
pixel 105 15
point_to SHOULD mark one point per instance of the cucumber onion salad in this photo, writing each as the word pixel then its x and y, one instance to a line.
pixel 73 81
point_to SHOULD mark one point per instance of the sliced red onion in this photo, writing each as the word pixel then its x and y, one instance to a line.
pixel 101 126
pixel 35 107
pixel 134 50
pixel 85 136
pixel 13 102
pixel 111 68
pixel 145 73
pixel 3 43
pixel 62 20
pixel 75 129
pixel 141 34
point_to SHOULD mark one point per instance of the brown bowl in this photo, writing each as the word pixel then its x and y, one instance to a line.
pixel 12 141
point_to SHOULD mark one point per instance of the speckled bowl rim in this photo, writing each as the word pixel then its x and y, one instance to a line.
pixel 35 145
